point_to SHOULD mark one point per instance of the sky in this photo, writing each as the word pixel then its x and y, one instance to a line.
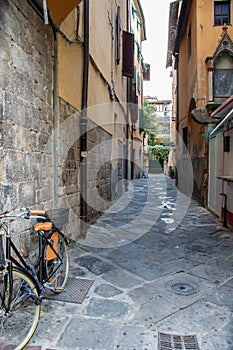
pixel 154 49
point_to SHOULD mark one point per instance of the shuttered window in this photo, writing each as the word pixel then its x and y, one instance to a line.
pixel 128 55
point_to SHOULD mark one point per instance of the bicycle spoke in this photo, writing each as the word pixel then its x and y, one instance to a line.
pixel 58 268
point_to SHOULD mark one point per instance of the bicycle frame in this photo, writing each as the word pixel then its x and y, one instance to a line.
pixel 20 263
pixel 40 264
pixel 22 283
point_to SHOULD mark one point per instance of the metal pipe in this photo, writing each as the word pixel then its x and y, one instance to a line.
pixel 83 126
pixel 55 120
pixel 127 112
pixel 224 209
pixel 45 9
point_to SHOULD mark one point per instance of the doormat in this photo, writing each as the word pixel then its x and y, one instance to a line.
pixel 75 291
pixel 173 342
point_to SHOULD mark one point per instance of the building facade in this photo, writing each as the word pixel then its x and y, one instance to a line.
pixel 162 118
pixel 220 184
pixel 66 85
pixel 200 35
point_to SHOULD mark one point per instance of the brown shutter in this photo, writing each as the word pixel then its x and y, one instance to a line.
pixel 128 55
pixel 134 110
pixel 146 72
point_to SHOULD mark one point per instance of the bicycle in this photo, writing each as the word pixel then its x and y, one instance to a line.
pixel 22 284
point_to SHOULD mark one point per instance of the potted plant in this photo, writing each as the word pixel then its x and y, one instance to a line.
pixel 171 173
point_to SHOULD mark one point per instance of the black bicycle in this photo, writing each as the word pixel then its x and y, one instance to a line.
pixel 22 284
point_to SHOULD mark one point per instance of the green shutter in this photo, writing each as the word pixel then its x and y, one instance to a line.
pixel 139 82
pixel 141 120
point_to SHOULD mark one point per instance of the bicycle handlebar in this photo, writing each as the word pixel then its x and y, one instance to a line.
pixel 37 212
pixel 25 213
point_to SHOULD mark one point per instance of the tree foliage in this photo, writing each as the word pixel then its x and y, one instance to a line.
pixel 155 148
pixel 149 118
pixel 159 152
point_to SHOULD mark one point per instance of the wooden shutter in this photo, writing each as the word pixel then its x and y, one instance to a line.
pixel 128 55
pixel 146 72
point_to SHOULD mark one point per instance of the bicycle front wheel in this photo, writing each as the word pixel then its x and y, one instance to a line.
pixel 19 314
pixel 57 263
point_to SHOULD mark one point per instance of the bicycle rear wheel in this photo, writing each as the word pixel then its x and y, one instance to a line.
pixel 57 263
pixel 18 322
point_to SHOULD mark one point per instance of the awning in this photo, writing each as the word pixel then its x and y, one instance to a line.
pixel 222 110
pixel 222 122
pixel 59 9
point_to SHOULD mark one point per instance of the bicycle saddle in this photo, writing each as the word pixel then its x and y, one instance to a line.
pixel 43 226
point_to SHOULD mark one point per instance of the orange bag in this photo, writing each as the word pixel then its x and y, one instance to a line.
pixel 50 254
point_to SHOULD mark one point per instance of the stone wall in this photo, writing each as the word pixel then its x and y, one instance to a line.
pixel 99 170
pixel 39 132
pixel 26 74
pixel 26 115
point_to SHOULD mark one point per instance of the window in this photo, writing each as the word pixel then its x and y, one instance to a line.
pixel 221 13
pixel 128 55
pixel 185 140
pixel 223 76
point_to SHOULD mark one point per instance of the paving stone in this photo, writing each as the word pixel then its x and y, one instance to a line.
pixel 136 338
pixel 107 290
pixel 83 334
pixel 93 264
pixel 122 278
pixel 222 296
pixel 200 317
pixel 153 311
pixel 106 308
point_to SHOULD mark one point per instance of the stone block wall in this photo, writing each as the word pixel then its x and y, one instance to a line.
pixel 99 170
pixel 26 83
pixel 39 145
pixel 26 111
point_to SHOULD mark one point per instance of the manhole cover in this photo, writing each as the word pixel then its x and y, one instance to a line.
pixel 182 287
pixel 175 342
pixel 75 291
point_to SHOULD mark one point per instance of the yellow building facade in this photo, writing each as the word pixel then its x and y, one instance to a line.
pixel 72 118
pixel 203 63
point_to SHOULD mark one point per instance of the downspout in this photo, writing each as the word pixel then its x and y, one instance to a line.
pixel 127 112
pixel 177 111
pixel 83 126
pixel 55 120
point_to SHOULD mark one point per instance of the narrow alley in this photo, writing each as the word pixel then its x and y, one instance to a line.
pixel 157 274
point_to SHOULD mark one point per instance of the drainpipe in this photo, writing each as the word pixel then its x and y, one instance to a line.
pixel 55 120
pixel 177 111
pixel 224 209
pixel 83 126
pixel 127 111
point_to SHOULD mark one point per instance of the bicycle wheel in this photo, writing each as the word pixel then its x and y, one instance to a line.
pixel 18 322
pixel 57 263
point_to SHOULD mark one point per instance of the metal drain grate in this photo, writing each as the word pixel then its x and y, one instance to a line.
pixel 75 291
pixel 180 287
pixel 177 342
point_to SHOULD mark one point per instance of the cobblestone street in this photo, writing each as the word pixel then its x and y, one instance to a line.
pixel 161 266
